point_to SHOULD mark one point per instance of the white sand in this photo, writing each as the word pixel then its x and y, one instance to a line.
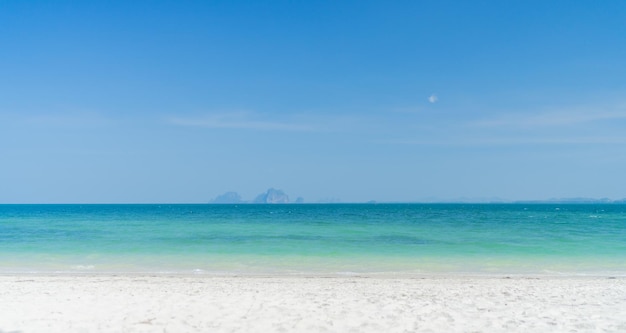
pixel 313 304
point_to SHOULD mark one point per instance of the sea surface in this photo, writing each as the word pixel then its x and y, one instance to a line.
pixel 587 239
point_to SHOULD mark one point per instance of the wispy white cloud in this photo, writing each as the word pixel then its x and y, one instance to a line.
pixel 239 120
pixel 510 141
pixel 574 126
pixel 569 117
pixel 325 122
pixel 58 119
pixel 433 98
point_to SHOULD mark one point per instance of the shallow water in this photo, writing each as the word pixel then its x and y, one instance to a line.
pixel 332 238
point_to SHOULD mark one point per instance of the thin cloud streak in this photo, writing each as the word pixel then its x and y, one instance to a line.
pixel 237 121
pixel 574 126
pixel 58 119
pixel 495 141
pixel 307 122
pixel 558 118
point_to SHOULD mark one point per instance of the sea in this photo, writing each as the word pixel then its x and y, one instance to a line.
pixel 314 239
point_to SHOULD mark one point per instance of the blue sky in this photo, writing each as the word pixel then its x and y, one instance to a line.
pixel 180 101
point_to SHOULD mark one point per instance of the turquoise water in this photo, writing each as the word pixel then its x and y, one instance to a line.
pixel 334 238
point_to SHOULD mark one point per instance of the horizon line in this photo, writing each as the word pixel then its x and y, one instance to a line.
pixel 371 202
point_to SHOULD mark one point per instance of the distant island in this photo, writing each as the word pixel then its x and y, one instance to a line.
pixel 276 196
pixel 271 196
pixel 575 201
pixel 228 198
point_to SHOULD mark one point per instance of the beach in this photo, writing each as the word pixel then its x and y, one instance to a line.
pixel 313 268
pixel 206 303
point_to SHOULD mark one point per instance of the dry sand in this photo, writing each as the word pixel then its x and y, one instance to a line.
pixel 311 304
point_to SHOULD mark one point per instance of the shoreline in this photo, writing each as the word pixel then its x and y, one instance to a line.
pixel 313 303
pixel 321 275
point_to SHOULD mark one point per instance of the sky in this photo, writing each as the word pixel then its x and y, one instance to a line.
pixel 348 101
